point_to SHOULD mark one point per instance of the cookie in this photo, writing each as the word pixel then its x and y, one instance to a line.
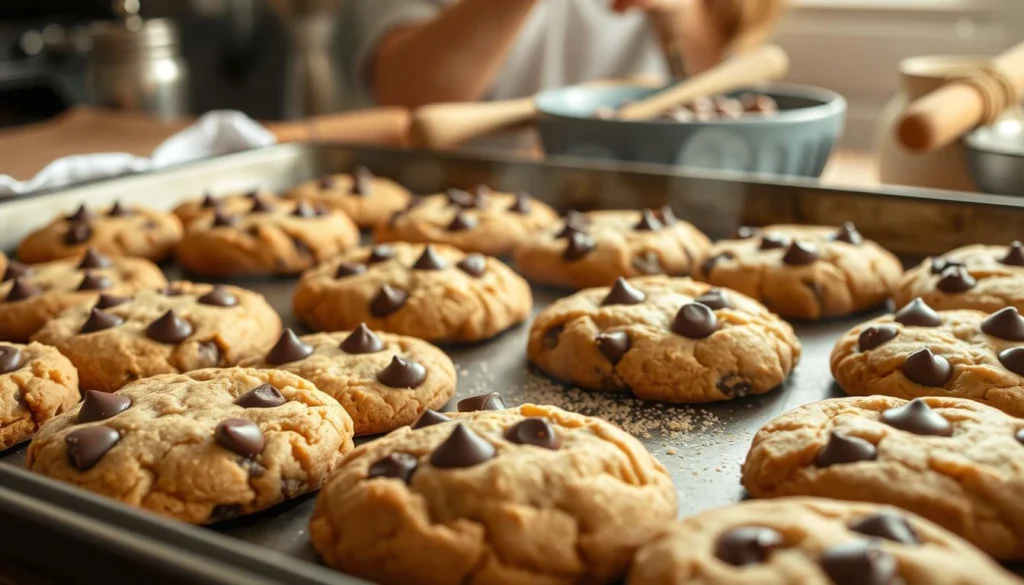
pixel 665 339
pixel 804 272
pixel 922 352
pixel 527 495
pixel 480 221
pixel 200 447
pixel 176 329
pixel 956 462
pixel 367 199
pixel 984 278
pixel 31 295
pixel 230 204
pixel 433 292
pixel 36 384
pixel 384 381
pixel 811 541
pixel 273 236
pixel 118 230
pixel 593 249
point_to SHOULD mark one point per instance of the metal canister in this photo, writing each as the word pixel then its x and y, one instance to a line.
pixel 137 65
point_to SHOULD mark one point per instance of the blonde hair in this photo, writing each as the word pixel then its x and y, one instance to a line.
pixel 744 23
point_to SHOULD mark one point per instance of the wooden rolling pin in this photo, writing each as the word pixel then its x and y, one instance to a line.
pixel 944 115
pixel 385 126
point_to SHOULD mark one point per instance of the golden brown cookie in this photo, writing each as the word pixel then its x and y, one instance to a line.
pixel 36 384
pixel 367 199
pixel 116 231
pixel 811 541
pixel 31 295
pixel 200 447
pixel 178 329
pixel 595 248
pixel 804 272
pixel 984 278
pixel 527 495
pixel 480 221
pixel 384 381
pixel 230 205
pixel 437 293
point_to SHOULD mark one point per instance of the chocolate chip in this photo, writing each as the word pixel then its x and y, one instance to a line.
pixel 714 299
pixel 747 545
pixel 169 328
pixel 1020 436
pixel 940 264
pixel 396 465
pixel 666 216
pixel 887 525
pixel 93 259
pixel 223 220
pixel 623 293
pixel 117 210
pixel 222 512
pixel 745 232
pixel 430 260
pixel 240 436
pixel 327 182
pixel 462 199
pixel 579 245
pixel 695 321
pixel 733 385
pixel 473 265
pixel 1005 323
pixel 1013 360
pixel 361 182
pixel 304 210
pixel 648 263
pixel 842 448
pixel 534 431
pixel 101 406
pixel 346 269
pixel 381 253
pixel 99 320
pixel 362 341
pixel 107 301
pixel 209 353
pixel 918 314
pixel 481 191
pixel 521 204
pixel 568 230
pixel 21 289
pixel 16 269
pixel 1014 255
pixel 81 215
pixel 490 401
pixel 402 373
pixel 462 222
pixel 848 233
pixel 648 222
pixel 171 290
pixel 859 563
pixel 261 205
pixel 252 194
pixel 927 369
pixel 77 233
pixel 219 297
pixel 955 279
pixel 289 348
pixel 918 418
pixel 613 345
pixel 88 445
pixel 800 253
pixel 208 201
pixel 262 396
pixel 463 448
pixel 709 264
pixel 773 241
pixel 92 281
pixel 551 336
pixel 875 335
pixel 577 219
pixel 11 359
pixel 429 418
pixel 387 300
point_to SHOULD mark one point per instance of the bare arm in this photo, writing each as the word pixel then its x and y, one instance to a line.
pixel 451 58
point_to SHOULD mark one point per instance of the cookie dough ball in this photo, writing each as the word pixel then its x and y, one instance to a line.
pixel 983 278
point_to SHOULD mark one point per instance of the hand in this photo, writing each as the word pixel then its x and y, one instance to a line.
pixel 684 26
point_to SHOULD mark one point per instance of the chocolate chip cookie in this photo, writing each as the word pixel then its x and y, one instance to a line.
pixel 956 462
pixel 593 249
pixel 118 230
pixel 230 204
pixel 384 381
pixel 984 278
pixel 804 272
pixel 36 384
pixel 200 447
pixel 434 292
pixel 480 221
pixel 367 199
pixel 794 541
pixel 665 339
pixel 183 327
pixel 527 495
pixel 31 295
pixel 922 352
pixel 273 236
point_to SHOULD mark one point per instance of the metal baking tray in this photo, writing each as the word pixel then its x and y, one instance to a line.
pixel 702 446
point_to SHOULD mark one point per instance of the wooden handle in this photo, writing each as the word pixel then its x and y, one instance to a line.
pixel 763 64
pixel 443 126
pixel 386 126
pixel 944 115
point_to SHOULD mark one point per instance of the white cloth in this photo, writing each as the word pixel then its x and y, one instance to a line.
pixel 213 134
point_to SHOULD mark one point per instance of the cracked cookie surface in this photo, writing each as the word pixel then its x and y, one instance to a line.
pixel 184 327
pixel 532 494
pixel 811 541
pixel 645 336
pixel 367 199
pixel 433 292
pixel 595 248
pixel 956 462
pixel 984 278
pixel 358 369
pixel 36 384
pixel 804 272
pixel 116 231
pixel 198 447
pixel 274 236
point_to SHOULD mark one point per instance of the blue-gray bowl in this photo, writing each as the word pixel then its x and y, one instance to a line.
pixel 995 156
pixel 795 141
